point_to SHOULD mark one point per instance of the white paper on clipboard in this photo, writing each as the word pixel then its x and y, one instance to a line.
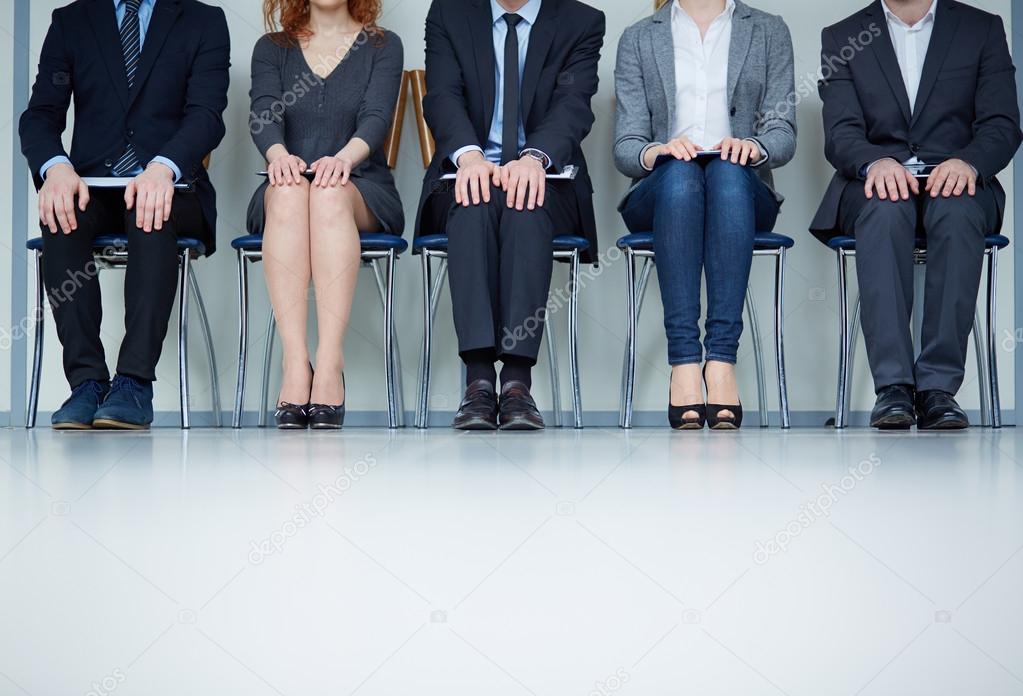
pixel 569 173
pixel 119 182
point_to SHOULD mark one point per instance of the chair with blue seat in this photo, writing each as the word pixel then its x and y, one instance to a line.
pixel 641 245
pixel 567 249
pixel 111 252
pixel 986 351
pixel 377 250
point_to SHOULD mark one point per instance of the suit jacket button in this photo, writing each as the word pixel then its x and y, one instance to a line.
pixel 130 133
pixel 914 148
pixel 732 112
pixel 108 163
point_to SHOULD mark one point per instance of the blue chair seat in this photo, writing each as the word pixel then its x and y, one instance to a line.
pixel 120 240
pixel 762 241
pixel 439 242
pixel 370 242
pixel 992 241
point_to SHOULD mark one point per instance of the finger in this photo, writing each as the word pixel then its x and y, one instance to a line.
pixel 534 187
pixel 58 209
pixel 950 185
pixel 972 187
pixel 168 203
pixel 83 195
pixel 512 189
pixel 903 187
pixel 747 151
pixel 882 188
pixel 69 210
pixel 937 181
pixel 960 186
pixel 913 182
pixel 868 187
pixel 323 172
pixel 726 148
pixel 49 215
pixel 736 152
pixel 485 188
pixel 474 188
pixel 460 188
pixel 522 191
pixel 129 195
pixel 497 176
pixel 140 210
pixel 541 191
pixel 692 149
pixel 157 211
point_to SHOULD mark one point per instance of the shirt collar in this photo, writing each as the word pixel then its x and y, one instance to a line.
pixel 528 12
pixel 929 17
pixel 678 13
pixel 119 4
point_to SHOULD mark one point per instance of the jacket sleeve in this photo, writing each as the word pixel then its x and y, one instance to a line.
pixel 377 111
pixel 996 126
pixel 633 125
pixel 776 125
pixel 202 127
pixel 570 117
pixel 45 119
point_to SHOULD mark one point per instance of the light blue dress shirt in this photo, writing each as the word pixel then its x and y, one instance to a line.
pixel 145 15
pixel 529 13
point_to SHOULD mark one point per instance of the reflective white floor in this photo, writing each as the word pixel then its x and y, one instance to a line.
pixel 601 562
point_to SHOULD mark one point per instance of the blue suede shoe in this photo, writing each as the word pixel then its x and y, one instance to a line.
pixel 78 412
pixel 128 406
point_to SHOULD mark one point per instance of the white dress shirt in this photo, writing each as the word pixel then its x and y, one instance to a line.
pixel 701 77
pixel 911 44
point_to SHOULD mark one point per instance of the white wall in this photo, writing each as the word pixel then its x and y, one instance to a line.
pixel 810 294
pixel 8 127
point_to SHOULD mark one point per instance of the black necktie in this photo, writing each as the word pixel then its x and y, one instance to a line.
pixel 131 44
pixel 510 132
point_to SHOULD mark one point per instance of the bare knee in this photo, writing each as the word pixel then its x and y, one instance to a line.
pixel 333 201
pixel 288 201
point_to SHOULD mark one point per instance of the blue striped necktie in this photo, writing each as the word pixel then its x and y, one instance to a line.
pixel 131 44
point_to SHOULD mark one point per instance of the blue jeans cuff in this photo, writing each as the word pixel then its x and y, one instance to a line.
pixel 718 357
pixel 690 360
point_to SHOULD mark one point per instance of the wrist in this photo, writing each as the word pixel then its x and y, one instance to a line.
pixel 161 169
pixel 470 158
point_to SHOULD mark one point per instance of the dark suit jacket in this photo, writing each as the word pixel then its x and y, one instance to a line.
pixel 174 109
pixel 559 79
pixel 966 107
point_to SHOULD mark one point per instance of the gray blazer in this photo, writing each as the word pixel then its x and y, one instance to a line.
pixel 761 85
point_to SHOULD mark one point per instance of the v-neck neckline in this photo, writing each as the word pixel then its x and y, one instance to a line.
pixel 324 78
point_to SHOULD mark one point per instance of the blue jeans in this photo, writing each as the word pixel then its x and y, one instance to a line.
pixel 703 216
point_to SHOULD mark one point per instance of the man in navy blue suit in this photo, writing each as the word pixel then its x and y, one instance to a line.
pixel 149 79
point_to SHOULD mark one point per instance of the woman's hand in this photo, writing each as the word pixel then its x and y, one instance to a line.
pixel 332 170
pixel 285 170
pixel 679 148
pixel 739 151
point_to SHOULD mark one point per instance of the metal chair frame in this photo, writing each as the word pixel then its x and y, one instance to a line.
pixel 392 363
pixel 987 360
pixel 636 295
pixel 431 295
pixel 117 258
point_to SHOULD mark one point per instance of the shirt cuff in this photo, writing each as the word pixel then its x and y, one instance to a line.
pixel 59 159
pixel 461 151
pixel 546 159
pixel 170 165
pixel 642 155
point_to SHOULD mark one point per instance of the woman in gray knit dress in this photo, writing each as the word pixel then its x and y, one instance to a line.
pixel 324 88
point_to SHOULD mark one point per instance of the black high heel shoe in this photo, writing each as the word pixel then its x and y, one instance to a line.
pixel 677 416
pixel 714 418
pixel 324 417
pixel 292 416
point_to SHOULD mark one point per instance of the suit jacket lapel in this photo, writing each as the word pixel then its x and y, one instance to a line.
pixel 481 29
pixel 165 14
pixel 108 39
pixel 738 50
pixel 663 46
pixel 884 51
pixel 541 36
pixel 946 21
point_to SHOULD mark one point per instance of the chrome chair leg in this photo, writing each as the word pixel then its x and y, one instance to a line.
pixel 843 342
pixel 758 355
pixel 395 354
pixel 204 324
pixel 264 382
pixel 779 337
pixel 573 341
pixel 243 338
pixel 995 405
pixel 392 405
pixel 982 373
pixel 37 352
pixel 550 338
pixel 854 332
pixel 183 282
pixel 423 387
pixel 629 360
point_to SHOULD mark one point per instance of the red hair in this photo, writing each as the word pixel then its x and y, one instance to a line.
pixel 291 17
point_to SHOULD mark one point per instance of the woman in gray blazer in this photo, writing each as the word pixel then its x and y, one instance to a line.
pixel 324 90
pixel 698 76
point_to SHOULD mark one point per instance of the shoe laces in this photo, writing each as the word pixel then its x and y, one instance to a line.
pixel 90 386
pixel 128 386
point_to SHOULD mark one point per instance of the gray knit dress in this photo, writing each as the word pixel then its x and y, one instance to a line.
pixel 315 117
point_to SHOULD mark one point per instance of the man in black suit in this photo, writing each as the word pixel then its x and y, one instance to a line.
pixel 509 84
pixel 149 79
pixel 911 88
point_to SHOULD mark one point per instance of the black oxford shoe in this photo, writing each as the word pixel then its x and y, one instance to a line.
pixel 478 410
pixel 518 410
pixel 938 410
pixel 894 409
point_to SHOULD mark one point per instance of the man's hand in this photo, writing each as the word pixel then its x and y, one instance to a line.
pixel 680 148
pixel 475 173
pixel 57 198
pixel 891 180
pixel 951 178
pixel 739 151
pixel 331 170
pixel 524 182
pixel 151 194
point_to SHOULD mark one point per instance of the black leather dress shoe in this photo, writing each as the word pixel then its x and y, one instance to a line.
pixel 478 410
pixel 894 409
pixel 938 410
pixel 518 410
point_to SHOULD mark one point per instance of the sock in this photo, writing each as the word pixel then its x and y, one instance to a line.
pixel 517 369
pixel 479 364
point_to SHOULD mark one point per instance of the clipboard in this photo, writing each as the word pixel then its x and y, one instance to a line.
pixel 308 174
pixel 700 154
pixel 569 173
pixel 121 182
